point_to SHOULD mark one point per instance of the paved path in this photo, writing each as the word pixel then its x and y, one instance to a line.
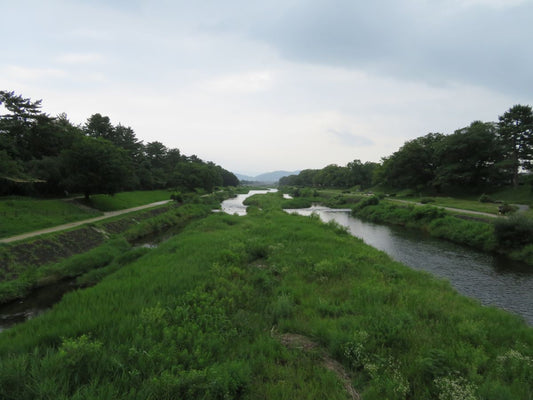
pixel 106 215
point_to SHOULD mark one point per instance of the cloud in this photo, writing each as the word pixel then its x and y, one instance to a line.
pixel 17 72
pixel 436 42
pixel 250 82
pixel 351 140
pixel 80 58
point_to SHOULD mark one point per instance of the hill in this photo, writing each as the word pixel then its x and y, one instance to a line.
pixel 268 177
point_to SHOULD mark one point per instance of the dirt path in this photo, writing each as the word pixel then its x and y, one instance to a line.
pixel 63 227
pixel 294 341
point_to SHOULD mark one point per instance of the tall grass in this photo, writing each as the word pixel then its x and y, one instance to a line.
pixel 198 317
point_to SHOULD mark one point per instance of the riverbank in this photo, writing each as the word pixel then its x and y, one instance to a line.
pixel 511 237
pixel 44 260
pixel 211 313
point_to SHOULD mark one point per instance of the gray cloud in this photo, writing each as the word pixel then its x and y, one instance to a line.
pixel 437 42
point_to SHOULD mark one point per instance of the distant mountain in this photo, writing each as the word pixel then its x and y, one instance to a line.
pixel 269 177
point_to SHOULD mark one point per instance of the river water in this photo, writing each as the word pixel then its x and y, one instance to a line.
pixel 495 281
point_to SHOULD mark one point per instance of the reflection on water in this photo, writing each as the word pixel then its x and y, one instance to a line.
pixel 493 280
pixel 235 206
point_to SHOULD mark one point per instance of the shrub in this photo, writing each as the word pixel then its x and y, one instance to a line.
pixel 513 232
pixel 177 197
pixel 370 201
pixel 485 199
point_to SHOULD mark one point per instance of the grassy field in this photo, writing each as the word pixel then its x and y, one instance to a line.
pixel 21 214
pixel 123 200
pixel 212 313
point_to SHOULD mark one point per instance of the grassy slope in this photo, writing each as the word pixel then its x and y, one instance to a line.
pixel 19 215
pixel 123 200
pixel 197 317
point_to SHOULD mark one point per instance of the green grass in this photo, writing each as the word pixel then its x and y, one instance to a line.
pixel 199 317
pixel 123 200
pixel 20 214
pixel 463 204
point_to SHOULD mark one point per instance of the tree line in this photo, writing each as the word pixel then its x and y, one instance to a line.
pixel 44 155
pixel 480 157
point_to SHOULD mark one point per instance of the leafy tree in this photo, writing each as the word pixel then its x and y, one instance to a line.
pixel 414 164
pixel 99 126
pixel 470 159
pixel 21 127
pixel 361 174
pixel 516 131
pixel 95 166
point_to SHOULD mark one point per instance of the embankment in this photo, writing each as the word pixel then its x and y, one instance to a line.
pixel 46 259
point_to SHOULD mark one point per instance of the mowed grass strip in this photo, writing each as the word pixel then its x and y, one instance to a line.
pixel 20 214
pixel 200 317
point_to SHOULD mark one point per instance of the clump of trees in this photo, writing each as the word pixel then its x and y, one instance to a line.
pixel 43 155
pixel 478 158
pixel 353 174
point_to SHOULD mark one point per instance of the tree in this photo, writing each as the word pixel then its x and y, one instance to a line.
pixel 414 164
pixel 516 131
pixel 23 127
pixel 99 126
pixel 470 159
pixel 95 166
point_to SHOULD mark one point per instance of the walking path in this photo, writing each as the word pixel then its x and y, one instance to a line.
pixel 63 227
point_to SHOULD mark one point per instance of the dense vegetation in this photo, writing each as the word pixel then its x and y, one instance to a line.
pixel 484 156
pixel 210 314
pixel 43 155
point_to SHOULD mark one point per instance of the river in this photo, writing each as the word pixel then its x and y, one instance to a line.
pixel 494 281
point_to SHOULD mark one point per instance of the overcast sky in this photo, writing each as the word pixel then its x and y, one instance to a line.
pixel 257 86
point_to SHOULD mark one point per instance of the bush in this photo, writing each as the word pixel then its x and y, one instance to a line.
pixel 485 199
pixel 370 201
pixel 177 197
pixel 513 232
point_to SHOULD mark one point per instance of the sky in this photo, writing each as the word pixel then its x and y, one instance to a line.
pixel 258 86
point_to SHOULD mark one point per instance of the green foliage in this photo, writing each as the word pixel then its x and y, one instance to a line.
pixel 513 232
pixel 123 200
pixel 516 131
pixel 485 199
pixel 41 155
pixel 369 201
